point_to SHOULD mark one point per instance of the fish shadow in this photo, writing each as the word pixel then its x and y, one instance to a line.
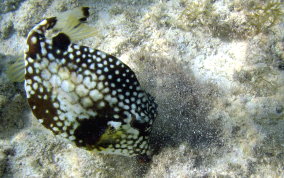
pixel 184 104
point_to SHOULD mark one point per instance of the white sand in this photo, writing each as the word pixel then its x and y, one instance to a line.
pixel 220 97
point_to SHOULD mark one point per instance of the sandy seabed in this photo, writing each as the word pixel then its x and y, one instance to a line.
pixel 218 80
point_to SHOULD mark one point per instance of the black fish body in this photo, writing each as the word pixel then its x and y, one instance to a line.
pixel 86 95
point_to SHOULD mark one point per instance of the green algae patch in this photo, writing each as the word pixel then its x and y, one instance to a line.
pixel 241 19
pixel 262 16
pixel 196 13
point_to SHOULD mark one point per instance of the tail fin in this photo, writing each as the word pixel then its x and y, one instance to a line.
pixel 72 23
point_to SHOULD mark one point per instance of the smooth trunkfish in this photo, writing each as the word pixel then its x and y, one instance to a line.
pixel 85 95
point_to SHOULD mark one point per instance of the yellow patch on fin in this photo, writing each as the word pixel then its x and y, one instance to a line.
pixel 16 71
pixel 72 23
pixel 110 135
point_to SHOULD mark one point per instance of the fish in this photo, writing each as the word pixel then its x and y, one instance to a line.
pixel 82 94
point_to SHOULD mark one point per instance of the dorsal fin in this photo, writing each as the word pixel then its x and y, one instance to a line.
pixel 16 71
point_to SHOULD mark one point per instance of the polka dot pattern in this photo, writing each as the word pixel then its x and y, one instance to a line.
pixel 87 96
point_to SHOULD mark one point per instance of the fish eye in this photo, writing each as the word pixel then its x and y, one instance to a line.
pixel 84 19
